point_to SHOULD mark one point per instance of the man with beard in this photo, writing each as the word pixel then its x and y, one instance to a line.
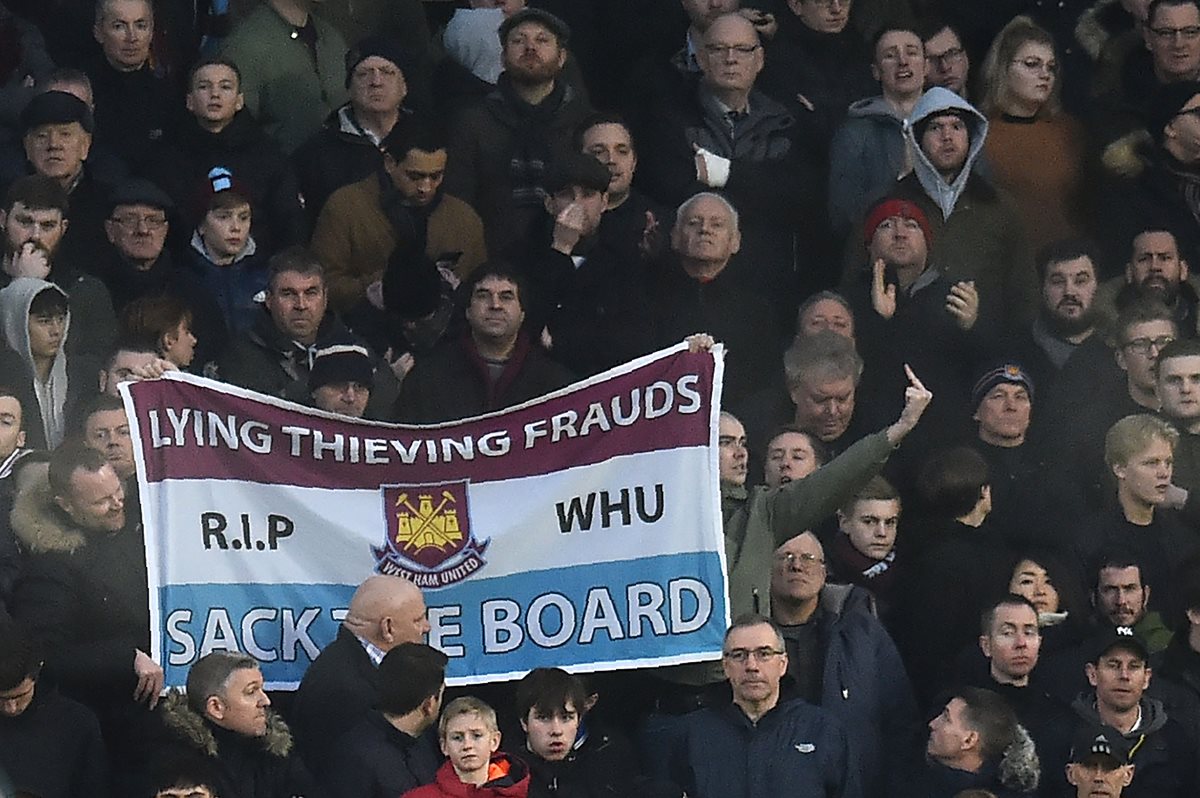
pixel 501 148
pixel 1156 269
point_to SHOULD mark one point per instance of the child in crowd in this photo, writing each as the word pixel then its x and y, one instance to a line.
pixel 470 739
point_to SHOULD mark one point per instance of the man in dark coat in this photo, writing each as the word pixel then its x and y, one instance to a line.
pixel 393 749
pixel 340 687
pixel 503 146
pixel 218 132
pixel 495 364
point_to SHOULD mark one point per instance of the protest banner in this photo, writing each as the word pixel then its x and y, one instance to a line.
pixel 580 530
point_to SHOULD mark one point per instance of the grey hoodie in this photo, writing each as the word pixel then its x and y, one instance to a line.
pixel 944 195
pixel 15 299
pixel 866 159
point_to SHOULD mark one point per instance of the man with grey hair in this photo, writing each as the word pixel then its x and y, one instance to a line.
pixel 822 371
pixel 339 688
pixel 224 716
pixel 697 292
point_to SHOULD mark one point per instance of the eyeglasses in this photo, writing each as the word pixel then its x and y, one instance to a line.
pixel 806 560
pixel 1190 32
pixel 738 51
pixel 1142 346
pixel 132 222
pixel 951 56
pixel 1037 64
pixel 741 655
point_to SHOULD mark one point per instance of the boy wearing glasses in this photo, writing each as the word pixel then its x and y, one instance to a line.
pixel 768 746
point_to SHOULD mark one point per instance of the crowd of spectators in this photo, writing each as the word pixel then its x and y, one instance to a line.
pixel 946 244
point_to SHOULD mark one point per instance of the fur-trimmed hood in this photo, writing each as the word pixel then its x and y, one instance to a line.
pixel 1019 768
pixel 196 732
pixel 1129 155
pixel 37 522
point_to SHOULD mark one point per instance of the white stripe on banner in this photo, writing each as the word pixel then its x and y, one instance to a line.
pixel 590 551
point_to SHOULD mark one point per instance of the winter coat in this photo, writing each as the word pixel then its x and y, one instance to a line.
pixel 263 359
pixel 602 766
pixel 83 596
pixel 934 780
pixel 285 90
pixel 233 286
pixel 513 784
pixel 136 112
pixel 257 164
pixel 1163 754
pixel 246 767
pixel 499 152
pixel 865 686
pixel 53 749
pixel 866 158
pixel 336 693
pixel 452 382
pixel 339 154
pixel 354 236
pixel 794 749
pixel 90 306
pixel 374 759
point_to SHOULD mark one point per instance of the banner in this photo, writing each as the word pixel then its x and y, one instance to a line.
pixel 579 530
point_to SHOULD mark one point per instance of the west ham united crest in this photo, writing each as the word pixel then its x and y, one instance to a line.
pixel 429 538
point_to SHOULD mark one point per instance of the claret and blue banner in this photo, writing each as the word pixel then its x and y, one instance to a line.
pixel 580 530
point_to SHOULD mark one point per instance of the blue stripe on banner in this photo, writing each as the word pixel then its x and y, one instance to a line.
pixel 656 610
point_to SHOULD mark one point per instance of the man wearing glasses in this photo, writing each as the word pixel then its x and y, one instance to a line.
pixel 768 746
pixel 946 61
pixel 138 264
pixel 841 658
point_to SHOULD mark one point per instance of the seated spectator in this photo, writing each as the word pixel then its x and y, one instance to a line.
pixel 223 253
pixel 984 240
pixel 470 739
pixel 500 148
pixel 134 99
pixel 34 221
pixel 218 133
pixel 341 380
pixel 976 742
pixel 947 63
pixel 590 300
pixel 83 594
pixel 276 355
pixel 754 732
pixel 403 202
pixel 1022 83
pixel 1119 673
pixel 1099 764
pixel 140 265
pixel 1121 597
pixel 163 322
pixel 841 659
pixel 567 755
pixel 292 69
pixel 50 746
pixel 347 147
pixel 494 365
pixel 225 715
pixel 392 750
pixel 868 154
pixel 864 551
pixel 35 322
pixel 105 428
pixel 1051 583
pixel 341 685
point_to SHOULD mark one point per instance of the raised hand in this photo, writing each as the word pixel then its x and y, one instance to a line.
pixel 916 398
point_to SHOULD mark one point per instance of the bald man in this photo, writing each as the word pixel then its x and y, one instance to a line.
pixel 339 687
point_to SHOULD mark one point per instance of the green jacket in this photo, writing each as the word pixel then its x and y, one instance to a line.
pixel 285 90
pixel 759 519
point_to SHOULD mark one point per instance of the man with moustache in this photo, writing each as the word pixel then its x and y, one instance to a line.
pixel 1156 269
pixel 501 149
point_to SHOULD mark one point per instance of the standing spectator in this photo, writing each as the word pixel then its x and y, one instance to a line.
pixel 947 63
pixel 475 766
pixel 1099 765
pixel 292 68
pixel 164 322
pixel 1158 270
pixel 1177 384
pixel 500 150
pixel 863 552
pixel 1022 83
